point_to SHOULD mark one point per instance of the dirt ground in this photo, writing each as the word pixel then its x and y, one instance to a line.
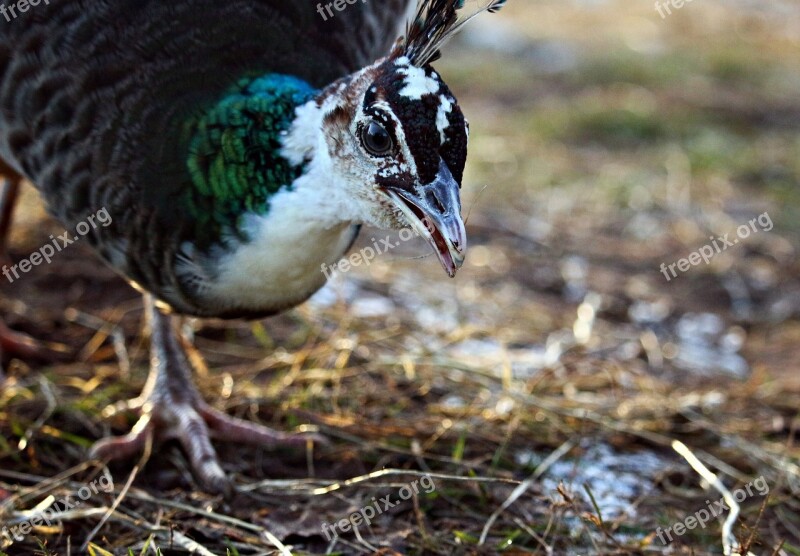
pixel 565 394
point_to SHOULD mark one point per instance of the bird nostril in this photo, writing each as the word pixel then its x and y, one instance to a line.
pixel 434 201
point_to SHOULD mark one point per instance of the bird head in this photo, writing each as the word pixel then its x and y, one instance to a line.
pixel 399 137
pixel 400 143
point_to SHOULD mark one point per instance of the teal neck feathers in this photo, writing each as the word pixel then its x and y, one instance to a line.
pixel 234 154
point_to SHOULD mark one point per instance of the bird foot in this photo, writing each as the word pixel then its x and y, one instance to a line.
pixel 170 407
pixel 194 423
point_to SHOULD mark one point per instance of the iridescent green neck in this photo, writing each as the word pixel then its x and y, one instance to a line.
pixel 234 155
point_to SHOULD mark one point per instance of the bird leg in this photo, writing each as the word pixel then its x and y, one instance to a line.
pixel 171 407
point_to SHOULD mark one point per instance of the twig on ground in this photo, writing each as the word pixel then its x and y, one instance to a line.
pixel 729 542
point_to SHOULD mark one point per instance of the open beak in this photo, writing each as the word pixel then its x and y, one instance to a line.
pixel 434 211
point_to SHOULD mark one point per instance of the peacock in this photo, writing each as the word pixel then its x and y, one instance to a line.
pixel 237 148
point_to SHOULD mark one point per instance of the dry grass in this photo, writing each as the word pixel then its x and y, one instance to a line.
pixel 544 389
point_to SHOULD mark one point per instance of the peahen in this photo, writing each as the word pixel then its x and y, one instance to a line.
pixel 237 147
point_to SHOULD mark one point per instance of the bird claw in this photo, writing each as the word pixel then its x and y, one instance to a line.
pixel 171 407
pixel 194 424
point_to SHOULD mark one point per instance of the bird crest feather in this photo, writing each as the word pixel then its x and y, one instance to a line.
pixel 434 23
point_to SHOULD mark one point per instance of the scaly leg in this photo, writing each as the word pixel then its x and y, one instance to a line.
pixel 171 407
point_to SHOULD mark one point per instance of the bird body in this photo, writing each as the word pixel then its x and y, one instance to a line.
pixel 266 216
pixel 237 148
pixel 169 117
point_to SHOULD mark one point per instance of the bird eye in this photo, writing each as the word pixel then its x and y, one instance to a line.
pixel 376 139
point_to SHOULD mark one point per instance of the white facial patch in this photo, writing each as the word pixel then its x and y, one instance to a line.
pixel 393 170
pixel 442 123
pixel 417 83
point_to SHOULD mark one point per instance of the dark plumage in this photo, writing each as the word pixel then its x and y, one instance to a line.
pixel 94 96
pixel 237 147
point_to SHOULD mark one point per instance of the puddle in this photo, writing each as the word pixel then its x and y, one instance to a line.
pixel 706 346
pixel 615 479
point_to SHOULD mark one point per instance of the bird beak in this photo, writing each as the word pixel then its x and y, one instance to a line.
pixel 434 211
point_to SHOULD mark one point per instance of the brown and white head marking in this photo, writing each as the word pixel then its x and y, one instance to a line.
pixel 420 116
pixel 399 139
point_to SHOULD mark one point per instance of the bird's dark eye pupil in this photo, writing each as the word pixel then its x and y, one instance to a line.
pixel 376 139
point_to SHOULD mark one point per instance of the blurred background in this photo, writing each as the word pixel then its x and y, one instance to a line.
pixel 545 387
